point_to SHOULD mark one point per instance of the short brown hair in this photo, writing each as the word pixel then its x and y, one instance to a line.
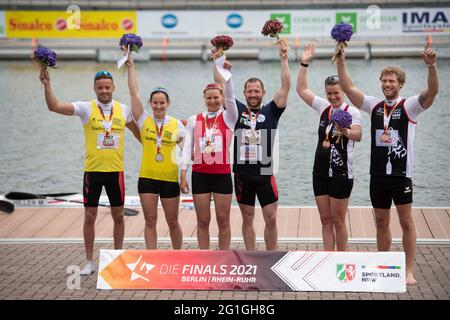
pixel 401 76
pixel 254 80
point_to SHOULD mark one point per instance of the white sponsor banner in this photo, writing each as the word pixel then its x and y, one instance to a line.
pixel 343 271
pixel 170 24
pixel 372 21
pixel 2 25
pixel 237 24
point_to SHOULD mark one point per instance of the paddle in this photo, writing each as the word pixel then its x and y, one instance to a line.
pixel 6 206
pixel 24 196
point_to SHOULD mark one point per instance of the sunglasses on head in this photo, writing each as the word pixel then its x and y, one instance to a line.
pixel 332 79
pixel 103 74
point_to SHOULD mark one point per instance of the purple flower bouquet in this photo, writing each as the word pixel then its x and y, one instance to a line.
pixel 45 57
pixel 222 43
pixel 342 33
pixel 131 40
pixel 343 119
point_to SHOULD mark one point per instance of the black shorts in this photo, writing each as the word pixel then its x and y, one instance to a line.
pixel 211 182
pixel 165 189
pixel 93 183
pixel 333 187
pixel 385 189
pixel 263 186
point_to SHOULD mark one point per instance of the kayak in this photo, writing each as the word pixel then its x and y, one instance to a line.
pixel 186 202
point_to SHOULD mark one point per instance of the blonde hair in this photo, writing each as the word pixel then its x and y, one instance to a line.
pixel 401 75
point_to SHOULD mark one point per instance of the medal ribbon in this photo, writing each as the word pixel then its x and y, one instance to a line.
pixel 330 124
pixel 208 129
pixel 253 118
pixel 107 124
pixel 159 132
pixel 387 118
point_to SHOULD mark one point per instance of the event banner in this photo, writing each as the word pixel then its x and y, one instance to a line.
pixel 252 270
pixel 76 24
pixel 372 21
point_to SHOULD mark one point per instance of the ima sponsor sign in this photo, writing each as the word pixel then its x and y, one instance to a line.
pixel 55 24
pixel 426 20
pixel 255 270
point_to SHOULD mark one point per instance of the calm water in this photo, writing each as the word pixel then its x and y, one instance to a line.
pixel 43 152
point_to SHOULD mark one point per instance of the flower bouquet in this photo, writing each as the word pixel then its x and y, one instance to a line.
pixel 128 43
pixel 131 41
pixel 45 57
pixel 343 119
pixel 221 43
pixel 342 33
pixel 272 28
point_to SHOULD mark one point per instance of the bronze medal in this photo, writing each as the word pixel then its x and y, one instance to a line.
pixel 385 138
pixel 326 144
pixel 253 139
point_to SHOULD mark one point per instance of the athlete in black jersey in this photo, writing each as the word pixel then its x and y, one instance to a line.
pixel 332 172
pixel 254 137
pixel 393 122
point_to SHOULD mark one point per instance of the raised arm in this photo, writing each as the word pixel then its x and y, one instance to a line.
pixel 53 103
pixel 426 98
pixel 302 79
pixel 282 93
pixel 136 104
pixel 217 77
pixel 353 93
pixel 231 111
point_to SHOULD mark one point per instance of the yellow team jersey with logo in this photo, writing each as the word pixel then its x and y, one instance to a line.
pixel 167 169
pixel 104 152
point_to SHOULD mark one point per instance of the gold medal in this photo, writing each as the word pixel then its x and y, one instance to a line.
pixel 385 138
pixel 209 149
pixel 159 157
pixel 326 144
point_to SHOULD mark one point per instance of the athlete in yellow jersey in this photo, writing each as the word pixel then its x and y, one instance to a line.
pixel 104 121
pixel 160 134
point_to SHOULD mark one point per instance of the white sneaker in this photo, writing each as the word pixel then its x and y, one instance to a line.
pixel 88 269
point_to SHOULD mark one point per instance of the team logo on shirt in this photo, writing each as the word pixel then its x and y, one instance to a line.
pixel 261 118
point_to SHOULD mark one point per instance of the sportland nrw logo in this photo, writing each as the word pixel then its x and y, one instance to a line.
pixel 345 272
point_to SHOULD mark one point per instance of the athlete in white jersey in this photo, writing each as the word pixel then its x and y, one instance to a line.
pixel 333 163
pixel 393 122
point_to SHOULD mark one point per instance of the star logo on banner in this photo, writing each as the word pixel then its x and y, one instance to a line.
pixel 138 271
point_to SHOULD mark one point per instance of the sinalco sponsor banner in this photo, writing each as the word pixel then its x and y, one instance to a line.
pixel 56 24
pixel 252 270
pixel 2 25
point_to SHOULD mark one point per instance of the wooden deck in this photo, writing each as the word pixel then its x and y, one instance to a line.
pixel 293 224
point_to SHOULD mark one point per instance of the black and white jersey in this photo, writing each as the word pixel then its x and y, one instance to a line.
pixel 393 127
pixel 336 160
